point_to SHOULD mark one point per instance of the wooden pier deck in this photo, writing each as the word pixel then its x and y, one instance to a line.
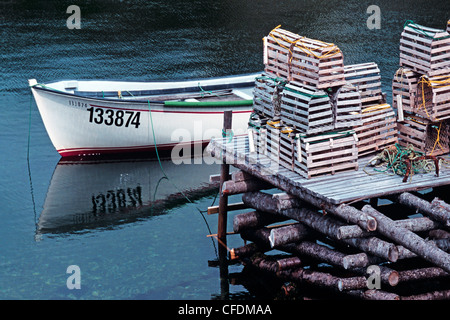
pixel 350 239
pixel 344 187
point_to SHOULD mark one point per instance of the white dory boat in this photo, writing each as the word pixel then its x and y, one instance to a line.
pixel 92 118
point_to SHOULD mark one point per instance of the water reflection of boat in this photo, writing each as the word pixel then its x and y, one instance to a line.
pixel 92 194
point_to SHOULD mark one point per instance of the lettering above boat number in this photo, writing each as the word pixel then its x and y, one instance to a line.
pixel 78 104
pixel 117 118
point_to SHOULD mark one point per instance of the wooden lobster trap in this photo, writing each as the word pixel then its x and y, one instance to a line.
pixel 308 61
pixel 433 97
pixel 347 107
pixel 306 109
pixel 366 78
pixel 378 130
pixel 425 50
pixel 288 145
pixel 404 87
pixel 255 124
pixel 429 137
pixel 316 155
pixel 267 96
pixel 269 140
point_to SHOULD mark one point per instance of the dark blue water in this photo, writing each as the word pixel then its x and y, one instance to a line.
pixel 128 228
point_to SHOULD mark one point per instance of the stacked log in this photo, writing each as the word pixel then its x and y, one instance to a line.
pixel 421 89
pixel 365 250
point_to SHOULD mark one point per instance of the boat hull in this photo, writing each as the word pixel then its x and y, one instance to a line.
pixel 84 126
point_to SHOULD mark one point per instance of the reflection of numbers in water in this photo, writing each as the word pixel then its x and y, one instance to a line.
pixel 116 199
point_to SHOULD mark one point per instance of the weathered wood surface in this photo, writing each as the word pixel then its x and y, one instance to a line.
pixel 436 209
pixel 235 187
pixel 366 77
pixel 326 225
pixel 267 95
pixel 424 135
pixel 424 49
pixel 374 294
pixel 420 274
pixel 288 234
pixel 409 240
pixel 265 203
pixel 306 109
pixel 254 219
pixel 305 248
pixel 295 58
pixel 335 189
pixel 434 295
pixel 347 107
pixel 404 87
pixel 379 129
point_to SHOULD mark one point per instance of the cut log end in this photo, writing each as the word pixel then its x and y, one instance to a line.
pixel 393 254
pixel 371 224
pixel 393 278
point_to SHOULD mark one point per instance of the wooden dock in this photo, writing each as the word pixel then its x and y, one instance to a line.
pixel 345 187
pixel 328 227
pixel 316 131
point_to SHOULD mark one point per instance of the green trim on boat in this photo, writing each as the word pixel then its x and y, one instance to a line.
pixel 208 103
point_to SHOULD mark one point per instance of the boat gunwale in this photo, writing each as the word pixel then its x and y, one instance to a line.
pixel 106 95
pixel 196 104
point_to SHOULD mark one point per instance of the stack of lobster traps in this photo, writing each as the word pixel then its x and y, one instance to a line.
pixel 313 114
pixel 421 89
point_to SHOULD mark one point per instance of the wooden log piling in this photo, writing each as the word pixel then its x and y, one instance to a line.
pixel 312 222
pixel 409 240
pixel 436 210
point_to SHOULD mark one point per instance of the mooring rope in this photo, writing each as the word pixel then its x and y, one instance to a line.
pixel 173 184
pixel 28 162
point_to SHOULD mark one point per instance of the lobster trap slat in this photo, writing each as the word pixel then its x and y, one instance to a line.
pixel 378 130
pixel 267 96
pixel 269 140
pixel 433 97
pixel 366 78
pixel 431 138
pixel 306 109
pixel 425 50
pixel 255 124
pixel 308 61
pixel 404 87
pixel 316 155
pixel 288 145
pixel 347 107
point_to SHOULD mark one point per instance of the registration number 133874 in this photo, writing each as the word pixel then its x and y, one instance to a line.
pixel 112 117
